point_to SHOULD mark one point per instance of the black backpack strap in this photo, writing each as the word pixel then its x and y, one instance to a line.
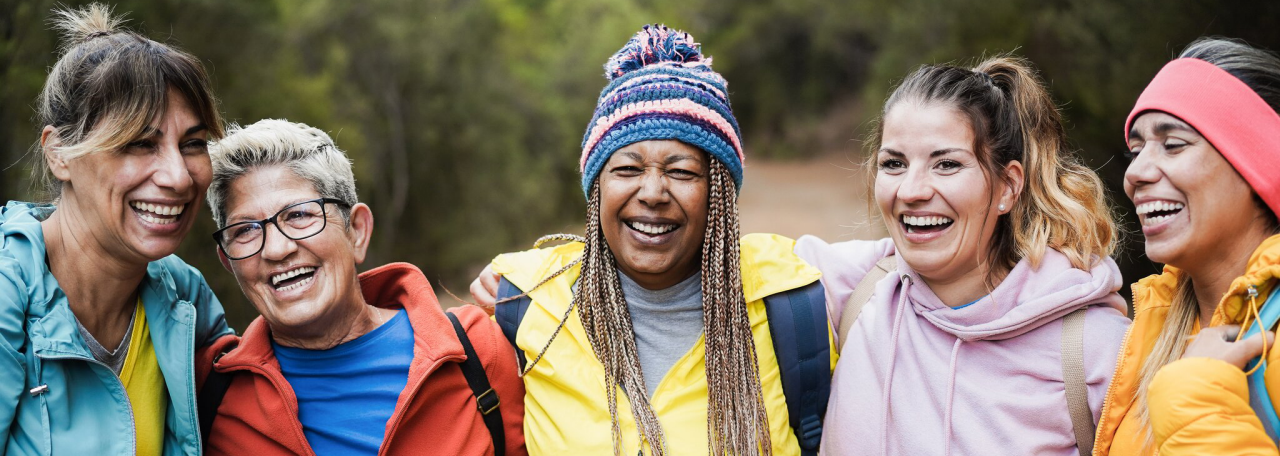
pixel 487 401
pixel 509 314
pixel 801 343
pixel 210 397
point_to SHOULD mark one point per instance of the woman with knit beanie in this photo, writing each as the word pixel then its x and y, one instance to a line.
pixel 1203 141
pixel 651 334
pixel 996 325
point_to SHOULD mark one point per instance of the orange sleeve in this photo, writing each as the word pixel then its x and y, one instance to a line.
pixel 1201 406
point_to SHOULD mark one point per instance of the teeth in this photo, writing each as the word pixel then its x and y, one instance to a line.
pixel 157 208
pixel 299 284
pixel 925 221
pixel 276 279
pixel 652 228
pixel 1158 206
pixel 157 220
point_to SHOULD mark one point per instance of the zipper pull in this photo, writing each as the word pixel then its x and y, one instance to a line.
pixel 39 390
pixel 1253 292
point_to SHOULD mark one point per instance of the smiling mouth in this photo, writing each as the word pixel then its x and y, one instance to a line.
pixel 1157 212
pixel 159 214
pixel 652 229
pixel 292 279
pixel 931 224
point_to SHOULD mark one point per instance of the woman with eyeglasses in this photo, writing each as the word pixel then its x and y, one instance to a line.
pixel 98 320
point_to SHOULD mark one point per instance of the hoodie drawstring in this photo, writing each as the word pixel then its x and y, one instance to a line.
pixel 951 394
pixel 893 360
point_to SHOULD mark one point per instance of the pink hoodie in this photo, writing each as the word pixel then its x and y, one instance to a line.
pixel 917 377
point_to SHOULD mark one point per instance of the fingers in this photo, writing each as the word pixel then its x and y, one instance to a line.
pixel 481 295
pixel 1251 347
pixel 489 280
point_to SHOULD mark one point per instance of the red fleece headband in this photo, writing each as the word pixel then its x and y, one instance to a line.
pixel 1225 111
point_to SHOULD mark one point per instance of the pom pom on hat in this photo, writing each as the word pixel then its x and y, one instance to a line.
pixel 656 44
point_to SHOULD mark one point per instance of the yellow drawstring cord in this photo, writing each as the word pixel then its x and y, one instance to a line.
pixel 1252 310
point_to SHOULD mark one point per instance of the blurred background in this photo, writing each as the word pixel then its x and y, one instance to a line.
pixel 464 117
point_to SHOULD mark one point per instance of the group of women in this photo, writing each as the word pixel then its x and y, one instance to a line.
pixel 999 254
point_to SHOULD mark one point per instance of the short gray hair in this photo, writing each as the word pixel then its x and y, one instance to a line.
pixel 305 150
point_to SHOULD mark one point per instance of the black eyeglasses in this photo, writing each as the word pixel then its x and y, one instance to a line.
pixel 297 221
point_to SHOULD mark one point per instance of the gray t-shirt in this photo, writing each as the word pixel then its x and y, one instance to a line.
pixel 667 323
pixel 114 359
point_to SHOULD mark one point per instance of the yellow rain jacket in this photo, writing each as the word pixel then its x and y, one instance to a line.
pixel 566 411
pixel 1198 406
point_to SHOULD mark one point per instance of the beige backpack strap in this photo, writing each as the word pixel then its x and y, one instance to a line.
pixel 862 294
pixel 1073 376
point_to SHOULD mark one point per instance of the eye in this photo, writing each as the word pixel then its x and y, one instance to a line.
pixel 682 174
pixel 1175 144
pixel 627 170
pixel 140 146
pixel 195 147
pixel 892 164
pixel 948 166
pixel 246 232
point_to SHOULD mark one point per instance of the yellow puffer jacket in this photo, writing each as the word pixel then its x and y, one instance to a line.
pixel 566 410
pixel 1198 406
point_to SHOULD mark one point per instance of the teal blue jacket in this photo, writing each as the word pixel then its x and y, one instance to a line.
pixel 55 399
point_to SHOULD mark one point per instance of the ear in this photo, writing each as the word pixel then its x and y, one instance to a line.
pixel 222 257
pixel 49 144
pixel 360 231
pixel 1013 180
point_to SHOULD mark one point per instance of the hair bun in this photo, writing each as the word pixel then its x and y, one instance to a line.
pixel 84 24
pixel 656 44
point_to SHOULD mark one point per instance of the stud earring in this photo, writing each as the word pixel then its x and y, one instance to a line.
pixel 1002 208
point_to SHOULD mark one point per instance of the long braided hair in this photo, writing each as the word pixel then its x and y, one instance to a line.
pixel 736 420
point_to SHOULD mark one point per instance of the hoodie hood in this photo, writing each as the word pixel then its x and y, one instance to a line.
pixel 1026 299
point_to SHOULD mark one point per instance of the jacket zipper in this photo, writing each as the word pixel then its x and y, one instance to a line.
pixel 399 414
pixel 1106 400
pixel 133 424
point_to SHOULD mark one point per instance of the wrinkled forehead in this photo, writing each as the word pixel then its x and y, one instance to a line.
pixel 265 190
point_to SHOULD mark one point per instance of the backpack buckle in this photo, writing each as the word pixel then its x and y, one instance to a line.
pixel 488 401
pixel 810 432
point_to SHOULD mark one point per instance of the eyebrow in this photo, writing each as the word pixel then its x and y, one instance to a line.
pixel 934 154
pixel 150 131
pixel 1162 128
pixel 677 158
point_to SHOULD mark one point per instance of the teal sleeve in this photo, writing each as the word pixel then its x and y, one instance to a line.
pixel 13 370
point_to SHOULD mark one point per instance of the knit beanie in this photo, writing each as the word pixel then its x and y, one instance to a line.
pixel 661 87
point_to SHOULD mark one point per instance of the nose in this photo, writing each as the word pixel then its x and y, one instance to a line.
pixel 915 186
pixel 1144 169
pixel 275 245
pixel 653 188
pixel 171 170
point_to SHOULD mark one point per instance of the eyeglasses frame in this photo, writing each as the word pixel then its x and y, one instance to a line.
pixel 324 214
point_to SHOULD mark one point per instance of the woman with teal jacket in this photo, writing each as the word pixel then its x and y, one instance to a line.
pixel 98 320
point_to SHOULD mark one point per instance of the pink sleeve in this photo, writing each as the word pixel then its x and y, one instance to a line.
pixel 842 264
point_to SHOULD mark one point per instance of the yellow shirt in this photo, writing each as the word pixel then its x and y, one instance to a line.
pixel 143 381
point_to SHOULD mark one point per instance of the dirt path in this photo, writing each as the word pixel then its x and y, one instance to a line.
pixel 822 196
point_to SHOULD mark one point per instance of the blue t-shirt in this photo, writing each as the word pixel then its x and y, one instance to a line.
pixel 347 393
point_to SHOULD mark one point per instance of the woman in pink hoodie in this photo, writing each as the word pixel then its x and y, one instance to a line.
pixel 998 235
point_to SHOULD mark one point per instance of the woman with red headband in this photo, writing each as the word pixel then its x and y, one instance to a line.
pixel 1204 139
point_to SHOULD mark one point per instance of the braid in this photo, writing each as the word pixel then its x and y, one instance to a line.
pixel 736 418
pixel 604 315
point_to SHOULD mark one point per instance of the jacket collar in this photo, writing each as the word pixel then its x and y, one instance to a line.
pixel 1261 272
pixel 390 286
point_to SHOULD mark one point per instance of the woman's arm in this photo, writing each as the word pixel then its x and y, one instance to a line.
pixel 1200 403
pixel 13 370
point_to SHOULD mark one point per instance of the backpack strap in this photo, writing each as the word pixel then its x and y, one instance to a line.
pixel 487 401
pixel 209 398
pixel 509 314
pixel 1259 397
pixel 862 294
pixel 798 325
pixel 1073 376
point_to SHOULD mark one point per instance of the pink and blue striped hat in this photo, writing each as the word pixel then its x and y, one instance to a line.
pixel 662 87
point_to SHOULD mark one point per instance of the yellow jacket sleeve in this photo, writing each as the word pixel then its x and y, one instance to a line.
pixel 1201 406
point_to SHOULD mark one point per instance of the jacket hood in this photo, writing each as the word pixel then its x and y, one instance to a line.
pixel 1026 299
pixel 1261 272
pixel 21 237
